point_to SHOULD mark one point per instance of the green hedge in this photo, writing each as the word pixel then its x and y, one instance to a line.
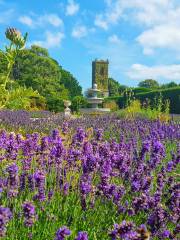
pixel 173 94
pixel 141 90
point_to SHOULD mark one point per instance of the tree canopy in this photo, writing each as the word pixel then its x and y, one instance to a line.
pixel 71 84
pixel 115 88
pixel 34 68
pixel 149 83
pixel 170 85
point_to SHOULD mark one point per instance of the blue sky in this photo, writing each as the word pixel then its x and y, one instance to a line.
pixel 141 38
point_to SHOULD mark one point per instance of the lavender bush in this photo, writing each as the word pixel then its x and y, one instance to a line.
pixel 90 178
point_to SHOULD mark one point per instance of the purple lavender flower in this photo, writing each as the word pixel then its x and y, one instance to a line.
pixel 82 236
pixel 29 214
pixel 165 234
pixel 62 233
pixel 98 134
pixel 13 179
pixel 157 219
pixel 39 177
pixel 5 216
pixel 55 134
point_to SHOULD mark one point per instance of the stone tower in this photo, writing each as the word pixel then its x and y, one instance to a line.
pixel 100 75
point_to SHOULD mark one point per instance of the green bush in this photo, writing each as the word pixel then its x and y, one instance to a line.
pixel 171 94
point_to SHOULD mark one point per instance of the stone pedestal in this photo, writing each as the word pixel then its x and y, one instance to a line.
pixel 67 110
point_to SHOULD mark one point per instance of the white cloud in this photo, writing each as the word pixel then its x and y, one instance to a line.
pixel 26 20
pixel 52 40
pixel 111 16
pixel 72 8
pixel 79 31
pixel 167 72
pixel 52 19
pixel 100 22
pixel 159 18
pixel 114 39
pixel 162 36
pixel 41 21
pixel 144 12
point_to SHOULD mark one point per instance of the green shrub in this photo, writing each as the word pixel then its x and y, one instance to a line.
pixel 171 94
pixel 141 90
pixel 136 110
pixel 111 104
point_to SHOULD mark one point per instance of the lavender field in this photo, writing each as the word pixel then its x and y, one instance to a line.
pixel 91 178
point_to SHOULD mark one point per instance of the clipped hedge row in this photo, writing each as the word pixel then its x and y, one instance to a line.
pixel 141 90
pixel 172 94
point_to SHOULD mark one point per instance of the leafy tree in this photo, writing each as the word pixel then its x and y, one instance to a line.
pixel 43 52
pixel 122 88
pixel 113 87
pixel 34 68
pixel 77 102
pixel 71 84
pixel 149 83
pixel 169 85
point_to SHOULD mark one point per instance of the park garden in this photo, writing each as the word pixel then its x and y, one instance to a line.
pixel 88 176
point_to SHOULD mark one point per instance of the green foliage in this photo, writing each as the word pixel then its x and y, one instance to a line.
pixel 171 94
pixel 141 90
pixel 71 84
pixel 3 96
pixel 34 68
pixel 25 98
pixel 149 83
pixel 17 43
pixel 78 102
pixel 113 87
pixel 136 110
pixel 13 96
pixel 43 52
pixel 112 105
pixel 169 85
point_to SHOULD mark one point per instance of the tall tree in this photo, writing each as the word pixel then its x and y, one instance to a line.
pixel 149 83
pixel 71 84
pixel 169 85
pixel 113 87
pixel 34 68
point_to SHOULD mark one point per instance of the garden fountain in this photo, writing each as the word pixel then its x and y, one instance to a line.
pixel 94 100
